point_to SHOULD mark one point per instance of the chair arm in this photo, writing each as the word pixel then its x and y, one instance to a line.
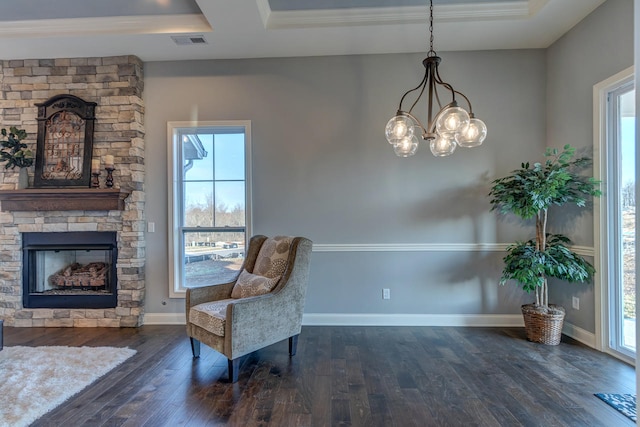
pixel 255 322
pixel 204 294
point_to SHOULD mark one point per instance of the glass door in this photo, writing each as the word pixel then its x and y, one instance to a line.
pixel 621 205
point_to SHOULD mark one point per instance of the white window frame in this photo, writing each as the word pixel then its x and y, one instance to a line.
pixel 174 202
pixel 602 221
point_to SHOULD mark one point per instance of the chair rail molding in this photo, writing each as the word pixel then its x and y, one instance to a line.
pixel 426 247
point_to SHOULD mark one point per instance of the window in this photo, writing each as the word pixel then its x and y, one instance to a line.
pixel 616 224
pixel 209 201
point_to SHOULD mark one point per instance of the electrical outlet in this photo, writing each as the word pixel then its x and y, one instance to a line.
pixel 576 303
pixel 386 293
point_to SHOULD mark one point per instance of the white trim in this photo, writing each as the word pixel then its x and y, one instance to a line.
pixel 164 319
pixel 395 15
pixel 410 247
pixel 426 247
pixel 583 250
pixel 375 319
pixel 600 214
pixel 625 358
pixel 589 339
pixel 145 24
pixel 579 334
pixel 173 209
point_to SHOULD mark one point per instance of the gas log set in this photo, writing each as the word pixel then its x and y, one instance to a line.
pixel 76 275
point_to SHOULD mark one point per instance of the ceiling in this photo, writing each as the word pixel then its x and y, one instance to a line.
pixel 223 29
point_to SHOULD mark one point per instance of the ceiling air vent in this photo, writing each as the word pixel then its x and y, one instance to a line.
pixel 189 40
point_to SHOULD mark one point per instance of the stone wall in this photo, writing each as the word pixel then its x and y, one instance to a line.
pixel 115 84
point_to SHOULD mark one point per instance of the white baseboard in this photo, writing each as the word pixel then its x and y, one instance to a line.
pixel 579 334
pixel 164 319
pixel 372 319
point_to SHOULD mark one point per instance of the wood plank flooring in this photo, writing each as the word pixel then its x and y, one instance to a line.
pixel 344 376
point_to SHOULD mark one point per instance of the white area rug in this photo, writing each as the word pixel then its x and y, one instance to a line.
pixel 34 380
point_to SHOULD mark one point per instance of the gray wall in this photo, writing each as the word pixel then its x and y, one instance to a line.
pixel 598 47
pixel 323 169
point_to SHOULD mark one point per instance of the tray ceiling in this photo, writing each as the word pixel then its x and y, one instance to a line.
pixel 224 29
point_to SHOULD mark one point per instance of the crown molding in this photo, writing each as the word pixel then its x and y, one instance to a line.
pixel 397 15
pixel 147 24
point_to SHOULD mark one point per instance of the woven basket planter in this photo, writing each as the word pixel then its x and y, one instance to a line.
pixel 544 328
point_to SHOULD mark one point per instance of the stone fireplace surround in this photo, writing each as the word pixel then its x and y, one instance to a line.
pixel 115 84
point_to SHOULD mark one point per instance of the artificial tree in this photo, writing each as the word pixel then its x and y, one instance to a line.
pixel 528 193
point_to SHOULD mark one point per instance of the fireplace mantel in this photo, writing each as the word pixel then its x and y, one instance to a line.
pixel 63 199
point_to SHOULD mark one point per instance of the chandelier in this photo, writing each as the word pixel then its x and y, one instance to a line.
pixel 450 127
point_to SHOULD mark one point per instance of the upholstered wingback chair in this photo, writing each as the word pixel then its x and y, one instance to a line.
pixel 262 306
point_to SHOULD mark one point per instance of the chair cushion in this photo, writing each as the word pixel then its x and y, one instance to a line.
pixel 251 285
pixel 272 258
pixel 210 315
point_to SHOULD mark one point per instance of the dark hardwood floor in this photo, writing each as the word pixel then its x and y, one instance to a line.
pixel 344 376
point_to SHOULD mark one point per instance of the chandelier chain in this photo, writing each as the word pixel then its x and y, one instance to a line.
pixel 447 126
pixel 431 51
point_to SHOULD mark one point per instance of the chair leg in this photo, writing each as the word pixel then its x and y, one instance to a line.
pixel 195 347
pixel 293 344
pixel 234 367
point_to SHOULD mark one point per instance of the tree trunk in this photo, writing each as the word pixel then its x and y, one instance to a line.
pixel 541 245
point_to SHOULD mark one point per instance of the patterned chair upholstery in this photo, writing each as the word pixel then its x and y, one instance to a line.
pixel 262 306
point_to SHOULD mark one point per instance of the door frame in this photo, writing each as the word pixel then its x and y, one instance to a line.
pixel 600 212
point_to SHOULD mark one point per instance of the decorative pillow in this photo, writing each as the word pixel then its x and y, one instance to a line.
pixel 251 285
pixel 272 258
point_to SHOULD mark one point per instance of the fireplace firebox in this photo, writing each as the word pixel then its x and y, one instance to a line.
pixel 69 270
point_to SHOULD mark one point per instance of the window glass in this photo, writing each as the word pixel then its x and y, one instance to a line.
pixel 229 157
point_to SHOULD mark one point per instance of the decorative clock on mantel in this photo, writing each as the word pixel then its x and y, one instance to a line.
pixel 65 142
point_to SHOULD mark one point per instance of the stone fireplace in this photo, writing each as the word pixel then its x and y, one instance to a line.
pixel 115 84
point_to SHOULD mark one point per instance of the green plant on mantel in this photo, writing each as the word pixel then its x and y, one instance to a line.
pixel 528 193
pixel 13 150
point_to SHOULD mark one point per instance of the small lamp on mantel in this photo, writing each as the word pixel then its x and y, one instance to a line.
pixel 450 127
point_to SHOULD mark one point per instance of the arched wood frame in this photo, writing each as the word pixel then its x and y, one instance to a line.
pixel 65 142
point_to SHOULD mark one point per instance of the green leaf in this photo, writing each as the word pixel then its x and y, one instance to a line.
pixel 14 152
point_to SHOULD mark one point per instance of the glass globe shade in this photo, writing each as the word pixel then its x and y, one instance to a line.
pixel 452 120
pixel 406 147
pixel 442 146
pixel 473 135
pixel 399 128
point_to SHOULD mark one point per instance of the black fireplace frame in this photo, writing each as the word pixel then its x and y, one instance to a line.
pixel 32 242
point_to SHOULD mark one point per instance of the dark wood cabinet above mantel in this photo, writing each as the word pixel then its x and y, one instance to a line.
pixel 63 199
